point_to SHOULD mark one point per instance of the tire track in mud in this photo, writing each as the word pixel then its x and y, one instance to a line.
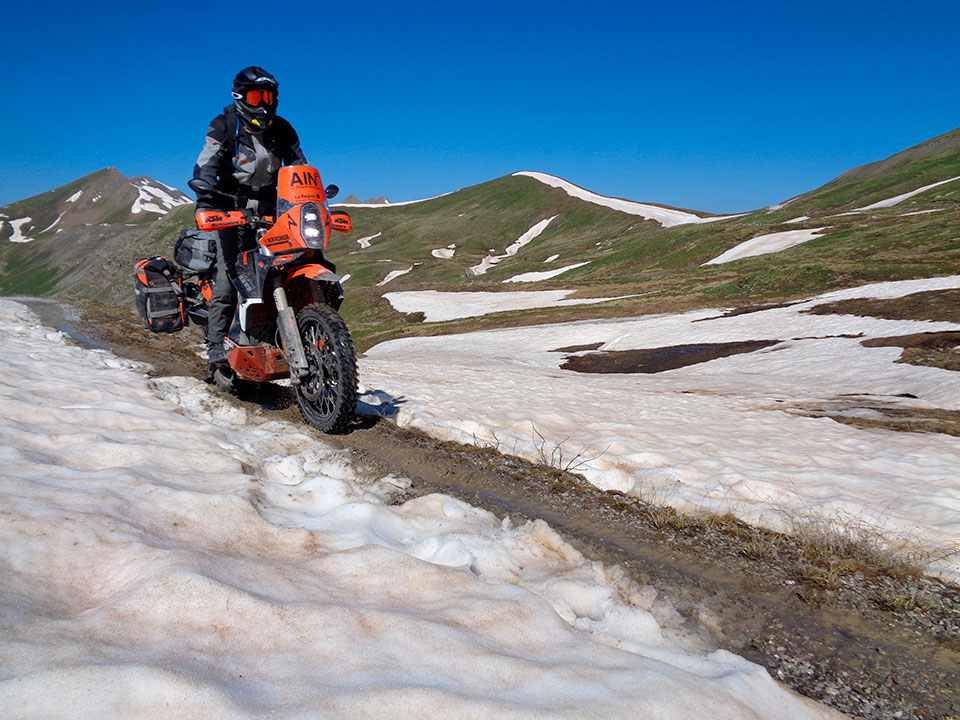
pixel 858 662
pixel 832 644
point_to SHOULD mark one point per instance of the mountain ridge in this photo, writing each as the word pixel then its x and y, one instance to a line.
pixel 551 235
pixel 942 143
pixel 75 240
pixel 105 196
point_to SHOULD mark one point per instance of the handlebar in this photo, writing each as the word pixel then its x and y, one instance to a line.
pixel 219 220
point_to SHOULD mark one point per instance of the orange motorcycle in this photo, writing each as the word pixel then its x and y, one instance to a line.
pixel 286 323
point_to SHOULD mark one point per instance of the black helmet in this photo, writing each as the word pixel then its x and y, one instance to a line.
pixel 255 96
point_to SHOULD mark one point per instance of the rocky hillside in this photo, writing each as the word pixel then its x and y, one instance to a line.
pixel 78 241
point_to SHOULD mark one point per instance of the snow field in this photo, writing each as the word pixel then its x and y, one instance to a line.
pixel 166 555
pixel 731 435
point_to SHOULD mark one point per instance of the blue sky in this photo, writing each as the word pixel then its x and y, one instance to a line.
pixel 721 107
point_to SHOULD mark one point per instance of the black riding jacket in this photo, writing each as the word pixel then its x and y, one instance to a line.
pixel 240 162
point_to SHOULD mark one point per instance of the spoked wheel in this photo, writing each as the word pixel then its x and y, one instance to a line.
pixel 328 396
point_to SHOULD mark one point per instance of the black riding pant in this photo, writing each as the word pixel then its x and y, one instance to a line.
pixel 230 243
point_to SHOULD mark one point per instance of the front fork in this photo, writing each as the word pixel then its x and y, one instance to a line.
pixel 290 335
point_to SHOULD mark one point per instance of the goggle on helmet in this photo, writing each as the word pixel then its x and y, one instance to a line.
pixel 255 96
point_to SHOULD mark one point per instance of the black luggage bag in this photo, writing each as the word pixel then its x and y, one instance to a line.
pixel 196 250
pixel 158 286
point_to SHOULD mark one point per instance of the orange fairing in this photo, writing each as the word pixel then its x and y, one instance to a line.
pixel 300 184
pixel 285 233
pixel 215 219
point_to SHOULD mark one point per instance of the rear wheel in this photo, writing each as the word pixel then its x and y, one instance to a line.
pixel 327 397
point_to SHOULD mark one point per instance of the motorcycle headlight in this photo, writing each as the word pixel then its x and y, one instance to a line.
pixel 311 225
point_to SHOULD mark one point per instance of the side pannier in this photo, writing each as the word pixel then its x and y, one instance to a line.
pixel 158 286
pixel 196 250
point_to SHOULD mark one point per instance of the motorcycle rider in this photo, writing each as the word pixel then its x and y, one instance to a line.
pixel 245 147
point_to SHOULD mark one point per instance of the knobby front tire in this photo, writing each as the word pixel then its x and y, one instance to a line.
pixel 328 396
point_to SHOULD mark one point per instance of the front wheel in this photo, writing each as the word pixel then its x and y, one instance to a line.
pixel 327 397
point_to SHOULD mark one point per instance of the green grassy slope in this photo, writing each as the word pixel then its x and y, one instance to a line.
pixel 624 254
pixel 93 262
pixel 477 219
pixel 627 255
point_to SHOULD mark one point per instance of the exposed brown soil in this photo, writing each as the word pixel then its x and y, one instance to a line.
pixel 870 413
pixel 845 625
pixel 747 309
pixel 655 360
pixel 579 348
pixel 937 349
pixel 938 305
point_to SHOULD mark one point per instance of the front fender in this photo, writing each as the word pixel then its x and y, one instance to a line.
pixel 313 271
pixel 314 283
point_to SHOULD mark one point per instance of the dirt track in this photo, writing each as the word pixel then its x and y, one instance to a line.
pixel 871 644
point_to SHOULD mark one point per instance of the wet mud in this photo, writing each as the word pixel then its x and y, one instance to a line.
pixel 870 640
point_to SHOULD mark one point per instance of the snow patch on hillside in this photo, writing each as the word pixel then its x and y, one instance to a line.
pixel 17 226
pixel 149 195
pixel 52 225
pixel 543 275
pixel 529 236
pixel 780 206
pixel 440 306
pixel 667 217
pixel 771 243
pixel 76 196
pixel 390 204
pixel 445 253
pixel 394 274
pixel 364 242
pixel 890 202
pixel 922 212
pixel 739 434
pixel 166 554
